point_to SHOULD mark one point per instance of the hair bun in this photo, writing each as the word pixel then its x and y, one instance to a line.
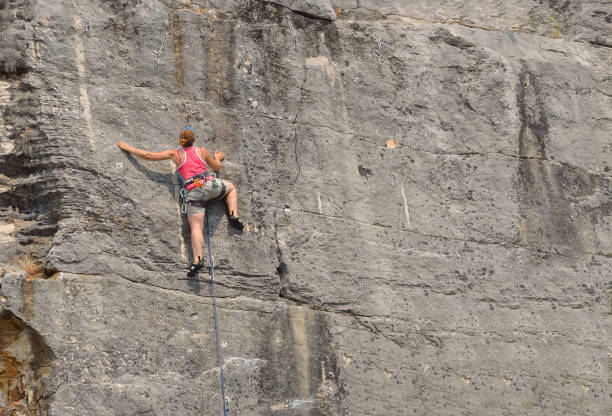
pixel 187 137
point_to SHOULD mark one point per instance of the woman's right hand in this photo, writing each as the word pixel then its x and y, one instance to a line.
pixel 219 156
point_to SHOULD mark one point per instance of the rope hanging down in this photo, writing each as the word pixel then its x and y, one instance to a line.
pixel 293 33
pixel 157 53
pixel 84 18
pixel 378 51
pixel 214 295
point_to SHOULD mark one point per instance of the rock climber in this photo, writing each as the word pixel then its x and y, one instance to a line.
pixel 199 184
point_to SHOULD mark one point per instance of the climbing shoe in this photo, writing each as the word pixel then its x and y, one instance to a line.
pixel 235 221
pixel 195 268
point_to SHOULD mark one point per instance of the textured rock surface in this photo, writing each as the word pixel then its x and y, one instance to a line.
pixel 426 187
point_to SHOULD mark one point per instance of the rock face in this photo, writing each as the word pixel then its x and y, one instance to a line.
pixel 426 187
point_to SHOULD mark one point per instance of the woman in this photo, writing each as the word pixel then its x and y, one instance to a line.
pixel 200 184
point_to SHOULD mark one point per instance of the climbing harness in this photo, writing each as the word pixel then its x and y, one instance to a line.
pixel 199 181
pixel 214 296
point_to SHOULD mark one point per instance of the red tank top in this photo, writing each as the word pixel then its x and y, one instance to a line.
pixel 191 166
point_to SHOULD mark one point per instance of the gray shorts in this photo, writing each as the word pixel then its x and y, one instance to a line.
pixel 215 188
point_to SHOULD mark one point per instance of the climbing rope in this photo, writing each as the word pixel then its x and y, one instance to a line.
pixel 84 18
pixel 157 53
pixel 378 52
pixel 293 33
pixel 214 295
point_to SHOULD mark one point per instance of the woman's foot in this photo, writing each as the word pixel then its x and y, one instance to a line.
pixel 235 221
pixel 195 268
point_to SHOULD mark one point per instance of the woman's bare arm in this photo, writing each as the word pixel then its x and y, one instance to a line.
pixel 145 154
pixel 213 161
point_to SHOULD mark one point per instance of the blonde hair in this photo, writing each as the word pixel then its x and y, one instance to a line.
pixel 187 137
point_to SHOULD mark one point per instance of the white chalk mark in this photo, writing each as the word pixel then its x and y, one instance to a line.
pixel 319 203
pixel 346 360
pixel 6 146
pixel 406 207
pixel 322 62
pixel 183 252
pixel 83 94
pixel 323 378
pixel 299 318
pixel 293 404
pixel 247 362
pixel 6 233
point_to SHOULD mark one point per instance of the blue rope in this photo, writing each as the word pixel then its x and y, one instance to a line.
pixel 214 295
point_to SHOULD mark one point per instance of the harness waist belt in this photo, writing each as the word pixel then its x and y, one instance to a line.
pixel 202 204
pixel 206 177
pixel 197 179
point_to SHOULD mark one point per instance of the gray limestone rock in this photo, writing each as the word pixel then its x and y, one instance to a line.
pixel 318 9
pixel 315 9
pixel 426 189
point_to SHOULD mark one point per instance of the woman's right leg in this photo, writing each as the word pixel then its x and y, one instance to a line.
pixel 231 199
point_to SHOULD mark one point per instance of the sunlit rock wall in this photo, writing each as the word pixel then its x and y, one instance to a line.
pixel 426 188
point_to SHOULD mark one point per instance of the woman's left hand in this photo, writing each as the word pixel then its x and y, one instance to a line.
pixel 123 146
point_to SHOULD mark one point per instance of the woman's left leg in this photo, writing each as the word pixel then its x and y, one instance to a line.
pixel 196 223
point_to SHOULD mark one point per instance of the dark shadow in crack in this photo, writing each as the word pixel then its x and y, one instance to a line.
pixel 166 180
pixel 163 178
